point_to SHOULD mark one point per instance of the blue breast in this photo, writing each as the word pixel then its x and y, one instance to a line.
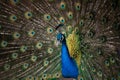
pixel 69 66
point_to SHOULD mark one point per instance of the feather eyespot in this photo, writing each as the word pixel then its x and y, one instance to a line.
pixel 46 63
pixel 14 55
pixel 112 60
pixel 23 48
pixel 47 17
pixel 62 5
pixel 49 30
pixel 14 2
pixel 76 30
pixel 81 23
pixel 99 73
pixel 30 77
pixel 91 33
pixel 33 58
pixel 70 15
pixel 107 63
pixel 6 67
pixel 113 78
pixel 50 50
pixel 39 45
pixel 69 28
pixel 31 33
pixel 25 66
pixel 13 18
pixel 93 69
pixel 91 16
pixel 103 39
pixel 62 20
pixel 28 15
pixel 44 76
pixel 4 43
pixel 57 75
pixel 16 35
pixel 77 6
pixel 104 20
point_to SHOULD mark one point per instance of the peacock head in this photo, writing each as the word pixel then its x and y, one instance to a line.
pixel 60 37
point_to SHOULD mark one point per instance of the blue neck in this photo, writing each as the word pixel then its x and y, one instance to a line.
pixel 65 52
pixel 69 67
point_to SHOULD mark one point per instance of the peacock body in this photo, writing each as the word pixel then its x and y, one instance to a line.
pixel 90 46
pixel 69 66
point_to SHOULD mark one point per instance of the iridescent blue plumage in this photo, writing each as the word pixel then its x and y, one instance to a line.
pixel 69 66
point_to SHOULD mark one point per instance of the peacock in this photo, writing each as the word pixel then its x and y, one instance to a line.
pixel 59 39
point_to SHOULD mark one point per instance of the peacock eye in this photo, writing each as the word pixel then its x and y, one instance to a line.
pixel 69 28
pixel 57 75
pixel 4 43
pixel 99 73
pixel 114 4
pixel 47 17
pixel 76 30
pixel 30 77
pixel 104 20
pixel 103 39
pixel 91 33
pixel 112 60
pixel 25 66
pixel 46 63
pixel 6 67
pixel 91 16
pixel 113 78
pixel 14 55
pixel 13 18
pixel 93 69
pixel 70 15
pixel 62 5
pixel 81 23
pixel 14 2
pixel 23 48
pixel 31 33
pixel 49 30
pixel 44 76
pixel 39 45
pixel 77 6
pixel 33 58
pixel 28 15
pixel 16 35
pixel 50 50
pixel 107 63
pixel 62 20
pixel 82 36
